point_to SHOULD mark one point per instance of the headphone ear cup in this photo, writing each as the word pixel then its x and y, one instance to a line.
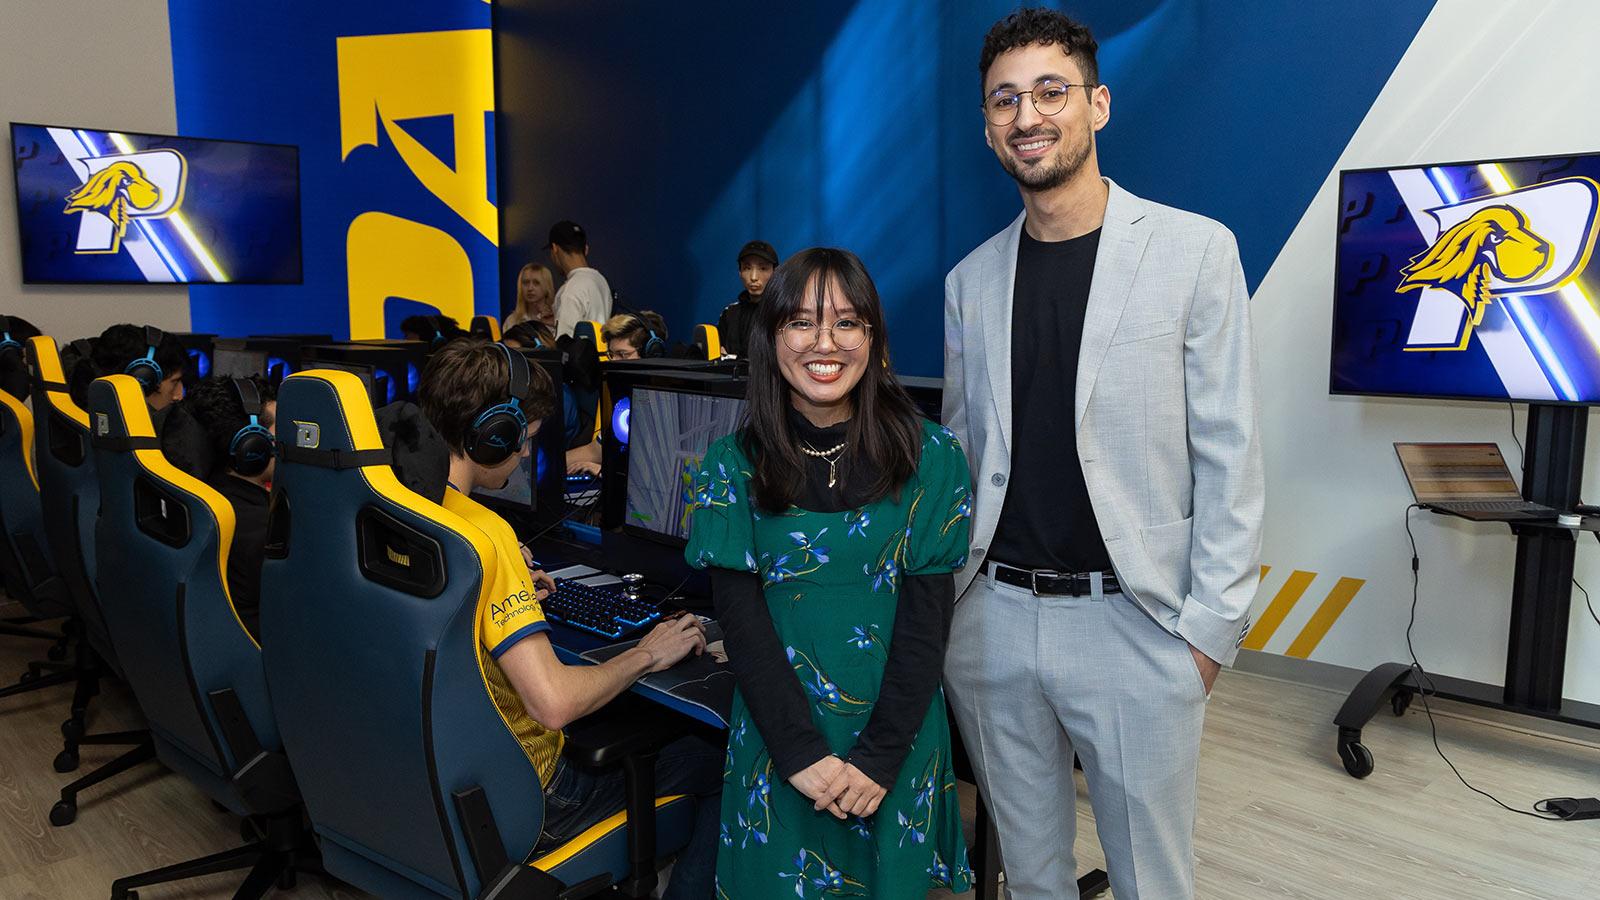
pixel 252 449
pixel 497 436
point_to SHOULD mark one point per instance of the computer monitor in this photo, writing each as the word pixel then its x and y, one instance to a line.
pixel 376 387
pixel 926 393
pixel 1469 280
pixel 198 347
pixel 654 440
pixel 231 359
pixel 399 365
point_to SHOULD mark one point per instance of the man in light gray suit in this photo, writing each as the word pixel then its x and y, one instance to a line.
pixel 1099 369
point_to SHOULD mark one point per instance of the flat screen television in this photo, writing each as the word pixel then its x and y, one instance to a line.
pixel 1469 281
pixel 122 207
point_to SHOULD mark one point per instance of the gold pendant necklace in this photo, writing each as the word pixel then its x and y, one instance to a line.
pixel 830 456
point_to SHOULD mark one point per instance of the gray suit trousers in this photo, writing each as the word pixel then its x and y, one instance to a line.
pixel 1035 680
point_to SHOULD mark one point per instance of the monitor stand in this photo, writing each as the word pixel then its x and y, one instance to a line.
pixel 1541 601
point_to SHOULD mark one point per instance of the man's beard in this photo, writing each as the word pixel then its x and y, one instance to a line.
pixel 1046 177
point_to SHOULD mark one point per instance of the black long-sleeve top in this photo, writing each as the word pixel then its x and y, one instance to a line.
pixel 762 670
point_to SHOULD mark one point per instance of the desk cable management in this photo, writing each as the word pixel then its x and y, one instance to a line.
pixel 1551 809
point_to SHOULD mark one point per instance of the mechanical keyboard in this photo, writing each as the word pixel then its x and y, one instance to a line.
pixel 603 610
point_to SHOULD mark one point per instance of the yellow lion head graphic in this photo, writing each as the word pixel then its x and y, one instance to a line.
pixel 114 190
pixel 1495 240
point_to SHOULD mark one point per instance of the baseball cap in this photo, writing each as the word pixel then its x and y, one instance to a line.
pixel 569 236
pixel 760 250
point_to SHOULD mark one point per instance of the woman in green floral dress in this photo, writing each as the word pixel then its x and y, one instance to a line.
pixel 831 524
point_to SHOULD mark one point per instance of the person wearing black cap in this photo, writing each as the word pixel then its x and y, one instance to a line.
pixel 757 260
pixel 584 295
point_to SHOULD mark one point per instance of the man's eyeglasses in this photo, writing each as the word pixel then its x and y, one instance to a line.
pixel 803 335
pixel 1048 96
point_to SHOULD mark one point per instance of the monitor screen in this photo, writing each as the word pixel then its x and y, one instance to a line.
pixel 368 379
pixel 232 363
pixel 129 208
pixel 1469 280
pixel 668 433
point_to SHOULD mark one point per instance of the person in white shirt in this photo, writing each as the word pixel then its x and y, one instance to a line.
pixel 584 295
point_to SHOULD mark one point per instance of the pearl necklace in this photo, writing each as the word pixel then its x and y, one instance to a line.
pixel 830 456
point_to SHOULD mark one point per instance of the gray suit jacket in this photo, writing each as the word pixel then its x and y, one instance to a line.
pixel 1166 411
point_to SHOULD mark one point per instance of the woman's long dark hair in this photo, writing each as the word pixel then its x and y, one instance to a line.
pixel 885 432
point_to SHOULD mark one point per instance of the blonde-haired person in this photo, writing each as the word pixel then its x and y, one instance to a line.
pixel 629 336
pixel 536 297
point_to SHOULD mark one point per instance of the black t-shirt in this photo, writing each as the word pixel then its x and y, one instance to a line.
pixel 249 501
pixel 1047 521
pixel 733 326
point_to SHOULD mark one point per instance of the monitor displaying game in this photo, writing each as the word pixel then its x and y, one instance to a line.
pixel 129 208
pixel 668 433
pixel 1469 280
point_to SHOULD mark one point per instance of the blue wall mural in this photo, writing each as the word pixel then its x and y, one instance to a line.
pixel 674 134
pixel 392 107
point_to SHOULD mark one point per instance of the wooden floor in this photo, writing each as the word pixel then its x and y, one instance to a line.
pixel 1279 818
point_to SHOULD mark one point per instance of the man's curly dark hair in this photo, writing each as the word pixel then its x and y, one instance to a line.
pixel 1034 25
pixel 215 406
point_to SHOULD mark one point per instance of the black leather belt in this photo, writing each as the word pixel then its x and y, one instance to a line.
pixel 1050 583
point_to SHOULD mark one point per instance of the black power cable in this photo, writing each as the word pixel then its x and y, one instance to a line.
pixel 1426 688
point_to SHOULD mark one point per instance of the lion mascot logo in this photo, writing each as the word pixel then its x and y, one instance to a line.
pixel 113 192
pixel 1494 242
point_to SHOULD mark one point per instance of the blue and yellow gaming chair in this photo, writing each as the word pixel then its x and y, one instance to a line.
pixel 486 327
pixel 412 779
pixel 24 550
pixel 70 497
pixel 163 539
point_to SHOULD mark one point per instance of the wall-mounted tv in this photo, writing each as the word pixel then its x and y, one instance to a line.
pixel 122 207
pixel 1469 280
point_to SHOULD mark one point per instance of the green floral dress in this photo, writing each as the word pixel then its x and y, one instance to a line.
pixel 831 582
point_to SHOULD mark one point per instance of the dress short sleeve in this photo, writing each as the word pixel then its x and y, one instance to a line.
pixel 941 516
pixel 721 523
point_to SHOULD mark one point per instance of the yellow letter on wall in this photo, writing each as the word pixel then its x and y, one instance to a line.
pixel 394 77
pixel 394 257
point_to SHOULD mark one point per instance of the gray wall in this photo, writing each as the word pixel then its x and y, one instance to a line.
pixel 96 64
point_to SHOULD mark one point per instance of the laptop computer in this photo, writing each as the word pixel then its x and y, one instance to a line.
pixel 1467 480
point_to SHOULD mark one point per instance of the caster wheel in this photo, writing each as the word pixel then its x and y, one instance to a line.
pixel 1357 759
pixel 66 761
pixel 1400 702
pixel 63 813
pixel 72 729
pixel 28 676
pixel 56 653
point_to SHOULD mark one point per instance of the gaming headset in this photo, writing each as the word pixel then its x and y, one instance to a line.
pixel 500 430
pixel 654 347
pixel 253 446
pixel 145 369
pixel 8 344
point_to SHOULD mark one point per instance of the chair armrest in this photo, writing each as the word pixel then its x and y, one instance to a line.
pixel 627 726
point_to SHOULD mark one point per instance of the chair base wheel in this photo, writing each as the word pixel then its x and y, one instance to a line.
pixel 56 653
pixel 63 813
pixel 1400 702
pixel 66 761
pixel 1357 759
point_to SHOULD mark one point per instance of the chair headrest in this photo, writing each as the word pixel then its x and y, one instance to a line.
pixel 325 419
pixel 121 419
pixel 49 379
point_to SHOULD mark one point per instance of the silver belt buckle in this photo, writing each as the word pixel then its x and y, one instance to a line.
pixel 1035 573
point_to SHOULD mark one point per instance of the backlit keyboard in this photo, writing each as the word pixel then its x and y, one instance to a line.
pixel 604 610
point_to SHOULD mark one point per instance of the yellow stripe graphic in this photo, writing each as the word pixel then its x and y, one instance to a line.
pixel 1324 617
pixel 1278 609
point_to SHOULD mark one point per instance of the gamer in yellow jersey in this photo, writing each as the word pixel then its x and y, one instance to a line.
pixel 486 402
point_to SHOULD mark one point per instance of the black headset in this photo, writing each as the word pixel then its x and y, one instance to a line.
pixel 145 369
pixel 500 430
pixel 253 446
pixel 654 347
pixel 8 343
